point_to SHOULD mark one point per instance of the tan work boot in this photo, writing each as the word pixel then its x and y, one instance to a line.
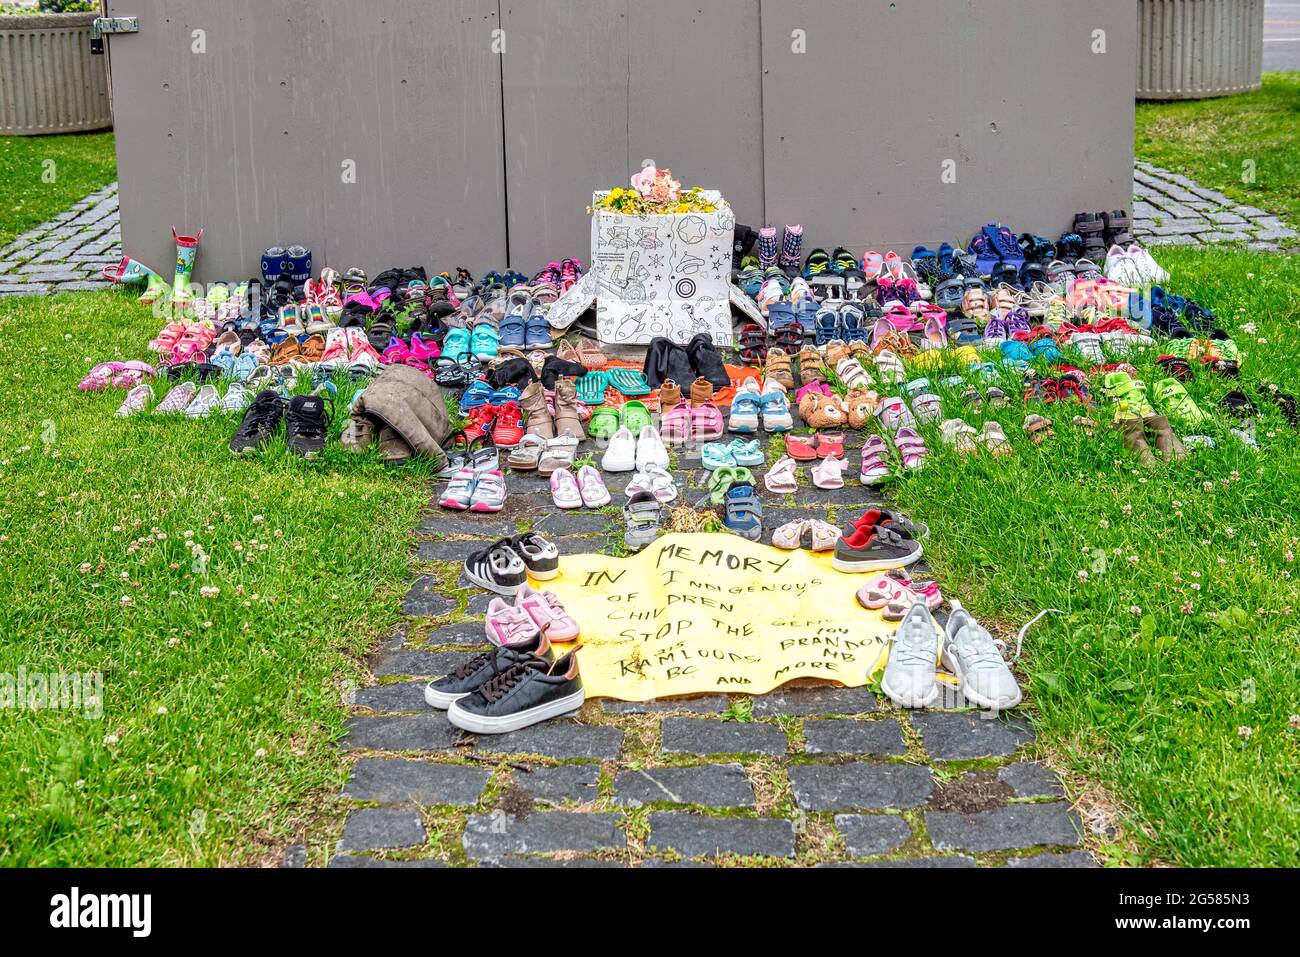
pixel 1135 439
pixel 701 392
pixel 670 395
pixel 533 402
pixel 1171 450
pixel 566 410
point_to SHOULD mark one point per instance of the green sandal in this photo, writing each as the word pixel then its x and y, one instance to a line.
pixel 628 381
pixel 1175 403
pixel 721 480
pixel 591 388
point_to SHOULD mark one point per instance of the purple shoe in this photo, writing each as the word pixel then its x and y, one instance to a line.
pixel 996 330
pixel 1017 321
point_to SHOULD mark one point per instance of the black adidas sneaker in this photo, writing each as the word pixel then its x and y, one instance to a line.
pixel 528 692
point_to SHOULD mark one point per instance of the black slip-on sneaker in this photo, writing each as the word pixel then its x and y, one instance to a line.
pixel 477 671
pixel 261 420
pixel 540 556
pixel 306 425
pixel 530 691
pixel 498 568
pixel 874 549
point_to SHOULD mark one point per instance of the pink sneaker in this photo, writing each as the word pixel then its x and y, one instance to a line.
pixel 132 374
pixel 359 348
pixel 336 349
pixel 545 609
pixel 508 624
pixel 423 350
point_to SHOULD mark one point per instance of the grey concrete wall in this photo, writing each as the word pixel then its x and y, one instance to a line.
pixel 464 157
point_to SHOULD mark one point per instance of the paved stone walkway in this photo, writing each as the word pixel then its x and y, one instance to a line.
pixel 807 776
pixel 68 253
pixel 1172 210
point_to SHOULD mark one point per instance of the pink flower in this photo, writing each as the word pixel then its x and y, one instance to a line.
pixel 644 181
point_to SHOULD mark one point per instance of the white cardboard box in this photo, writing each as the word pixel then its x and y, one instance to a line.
pixel 666 275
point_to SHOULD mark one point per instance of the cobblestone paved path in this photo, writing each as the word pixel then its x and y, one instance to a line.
pixel 68 253
pixel 1172 210
pixel 809 776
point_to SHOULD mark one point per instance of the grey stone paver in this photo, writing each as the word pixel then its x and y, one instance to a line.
pixel 498 835
pixel 695 835
pixel 706 736
pixel 556 739
pixel 847 736
pixel 860 786
pixel 374 828
pixel 698 704
pixel 709 785
pixel 578 783
pixel 1029 779
pixel 422 732
pixel 395 780
pixel 1173 210
pixel 1004 828
pixel 425 599
pixel 405 696
pixel 366 861
pixel 866 835
pixel 802 702
pixel 958 737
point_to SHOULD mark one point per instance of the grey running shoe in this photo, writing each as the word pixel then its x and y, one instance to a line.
pixel 970 653
pixel 909 676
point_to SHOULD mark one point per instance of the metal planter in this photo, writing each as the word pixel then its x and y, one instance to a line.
pixel 1190 49
pixel 49 81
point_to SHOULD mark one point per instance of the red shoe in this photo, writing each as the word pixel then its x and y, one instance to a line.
pixel 508 429
pixel 830 443
pixel 482 420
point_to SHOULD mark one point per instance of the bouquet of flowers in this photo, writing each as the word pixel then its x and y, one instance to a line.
pixel 655 192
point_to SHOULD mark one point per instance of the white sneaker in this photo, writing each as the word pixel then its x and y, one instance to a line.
pixel 909 676
pixel 970 653
pixel 650 450
pixel 621 454
pixel 1150 269
pixel 237 398
pixel 204 403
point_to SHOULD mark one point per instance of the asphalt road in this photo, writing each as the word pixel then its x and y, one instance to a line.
pixel 1282 35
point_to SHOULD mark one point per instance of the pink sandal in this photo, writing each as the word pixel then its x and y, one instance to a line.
pixel 706 423
pixel 829 473
pixel 675 425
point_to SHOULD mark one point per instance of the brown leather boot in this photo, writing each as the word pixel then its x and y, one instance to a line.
pixel 1171 450
pixel 670 394
pixel 566 410
pixel 778 367
pixel 533 402
pixel 701 392
pixel 1135 440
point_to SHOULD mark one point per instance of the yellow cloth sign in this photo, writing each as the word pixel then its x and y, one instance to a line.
pixel 695 614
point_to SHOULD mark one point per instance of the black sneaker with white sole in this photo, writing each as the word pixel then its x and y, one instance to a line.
pixel 874 549
pixel 306 425
pixel 530 691
pixel 498 568
pixel 541 556
pixel 473 674
pixel 260 422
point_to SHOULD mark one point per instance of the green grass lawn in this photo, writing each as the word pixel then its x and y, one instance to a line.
pixel 44 175
pixel 1172 678
pixel 218 712
pixel 1216 141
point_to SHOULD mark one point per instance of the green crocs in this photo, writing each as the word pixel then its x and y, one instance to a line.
pixel 604 422
pixel 636 417
pixel 1175 403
